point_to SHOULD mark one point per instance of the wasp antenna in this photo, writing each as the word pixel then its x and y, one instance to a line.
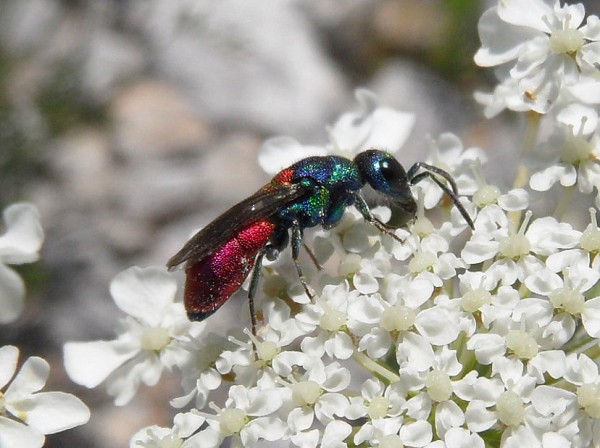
pixel 414 178
pixel 451 193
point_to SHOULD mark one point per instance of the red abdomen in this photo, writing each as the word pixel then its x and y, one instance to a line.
pixel 212 280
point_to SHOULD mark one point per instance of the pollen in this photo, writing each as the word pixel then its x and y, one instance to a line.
pixel 397 318
pixel 473 300
pixel 232 421
pixel 567 41
pixel 332 319
pixel 267 350
pixel 590 239
pixel 155 339
pixel 510 409
pixel 522 344
pixel 422 261
pixel 378 408
pixel 306 393
pixel 516 245
pixel 570 300
pixel 439 387
pixel 486 195
pixel 588 396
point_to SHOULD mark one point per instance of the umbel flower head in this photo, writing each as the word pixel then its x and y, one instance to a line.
pixel 441 337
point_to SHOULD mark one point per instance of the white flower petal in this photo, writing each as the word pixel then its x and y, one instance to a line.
pixel 417 434
pixel 543 180
pixel 372 127
pixel 16 435
pixel 580 117
pixel 415 351
pixel 552 361
pixel 90 363
pixel 52 412
pixel 479 249
pixel 334 433
pixel 31 378
pixel 448 415
pixel 263 402
pixel 12 294
pixel 544 281
pixel 478 418
pixel 144 293
pixel 300 419
pixel 514 200
pixel 530 14
pixel 547 234
pixel 365 283
pixel 280 152
pixel 500 43
pixel 439 325
pixel 548 400
pixel 268 428
pixel 24 236
pixel 591 317
pixel 463 438
pixel 9 355
pixel 487 347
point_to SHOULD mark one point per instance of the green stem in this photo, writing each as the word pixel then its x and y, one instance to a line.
pixel 522 176
pixel 374 367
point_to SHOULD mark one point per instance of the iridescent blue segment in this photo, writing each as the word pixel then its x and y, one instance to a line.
pixel 385 174
pixel 333 180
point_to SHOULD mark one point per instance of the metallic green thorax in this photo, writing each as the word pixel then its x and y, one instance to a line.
pixel 333 181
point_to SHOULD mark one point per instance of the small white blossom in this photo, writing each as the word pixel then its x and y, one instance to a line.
pixel 329 317
pixel 179 436
pixel 247 417
pixel 540 46
pixel 152 337
pixel 569 158
pixel 26 414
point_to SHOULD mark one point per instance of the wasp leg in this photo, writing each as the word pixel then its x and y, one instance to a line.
pixel 252 293
pixel 296 243
pixel 364 210
pixel 312 256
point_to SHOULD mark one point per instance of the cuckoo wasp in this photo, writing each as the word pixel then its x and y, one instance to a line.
pixel 314 191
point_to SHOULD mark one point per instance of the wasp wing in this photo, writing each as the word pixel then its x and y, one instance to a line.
pixel 262 204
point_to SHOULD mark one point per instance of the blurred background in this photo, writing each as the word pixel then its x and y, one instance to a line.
pixel 130 123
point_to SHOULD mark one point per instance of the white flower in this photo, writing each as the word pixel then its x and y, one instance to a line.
pixel 541 46
pixel 428 370
pixel 566 293
pixel 569 157
pixel 18 245
pixel 199 372
pixel 317 394
pixel 329 317
pixel 180 436
pixel 152 337
pixel 372 127
pixel 26 414
pixel 448 153
pixel 248 416
pixel 382 406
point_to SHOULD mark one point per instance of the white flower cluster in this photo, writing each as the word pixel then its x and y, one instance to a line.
pixel 450 338
pixel 26 414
